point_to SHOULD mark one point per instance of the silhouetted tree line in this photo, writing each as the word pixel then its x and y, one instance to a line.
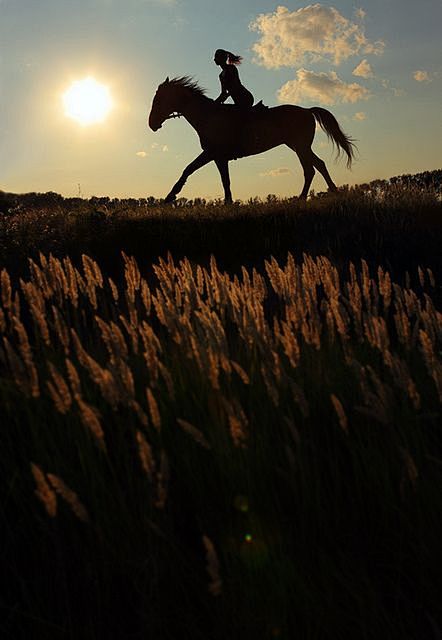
pixel 11 203
pixel 425 181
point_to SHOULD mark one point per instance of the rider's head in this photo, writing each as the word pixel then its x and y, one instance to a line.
pixel 226 57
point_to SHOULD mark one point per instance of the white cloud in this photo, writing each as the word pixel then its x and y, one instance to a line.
pixel 274 173
pixel 141 154
pixel 312 33
pixel 360 13
pixel 421 76
pixel 394 90
pixel 326 88
pixel 159 147
pixel 360 115
pixel 363 70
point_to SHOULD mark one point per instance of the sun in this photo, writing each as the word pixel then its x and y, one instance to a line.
pixel 87 101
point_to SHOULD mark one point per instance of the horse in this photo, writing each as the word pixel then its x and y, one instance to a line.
pixel 228 132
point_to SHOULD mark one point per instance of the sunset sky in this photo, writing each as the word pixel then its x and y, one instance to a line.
pixel 376 65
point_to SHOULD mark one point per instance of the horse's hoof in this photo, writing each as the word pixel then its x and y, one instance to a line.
pixel 170 198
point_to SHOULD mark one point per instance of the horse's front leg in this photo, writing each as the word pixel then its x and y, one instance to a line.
pixel 196 164
pixel 223 168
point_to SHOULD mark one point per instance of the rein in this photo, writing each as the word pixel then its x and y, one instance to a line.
pixel 174 115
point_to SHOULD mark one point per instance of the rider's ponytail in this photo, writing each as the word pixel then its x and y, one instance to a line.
pixel 233 59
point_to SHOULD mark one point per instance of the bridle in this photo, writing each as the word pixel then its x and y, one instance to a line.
pixel 174 115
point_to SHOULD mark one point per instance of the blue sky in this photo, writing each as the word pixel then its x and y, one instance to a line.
pixel 376 66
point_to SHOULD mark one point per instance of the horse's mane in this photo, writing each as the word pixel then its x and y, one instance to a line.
pixel 187 82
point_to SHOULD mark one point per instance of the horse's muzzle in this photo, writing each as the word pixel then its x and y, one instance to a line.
pixel 154 125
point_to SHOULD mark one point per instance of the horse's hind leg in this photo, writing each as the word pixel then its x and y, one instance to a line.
pixel 196 164
pixel 305 158
pixel 320 166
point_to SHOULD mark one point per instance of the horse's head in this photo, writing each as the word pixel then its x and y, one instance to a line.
pixel 163 105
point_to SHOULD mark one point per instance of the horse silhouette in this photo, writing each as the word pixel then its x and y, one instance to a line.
pixel 228 132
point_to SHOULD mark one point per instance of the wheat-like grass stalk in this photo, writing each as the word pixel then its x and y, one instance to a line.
pixel 162 479
pixel 90 417
pixel 61 330
pixel 44 492
pixel 114 290
pixel 69 496
pixel 74 379
pixel 212 566
pixel 16 365
pixel 6 290
pixel 102 377
pixel 240 371
pixel 2 321
pixel 237 420
pixel 92 271
pixel 431 278
pixel 72 282
pixel 153 409
pixel 146 456
pixel 195 433
pixel 25 351
pixel 59 390
pixel 36 304
pixel 340 412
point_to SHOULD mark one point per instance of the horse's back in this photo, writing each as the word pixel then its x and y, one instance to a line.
pixel 235 133
pixel 291 111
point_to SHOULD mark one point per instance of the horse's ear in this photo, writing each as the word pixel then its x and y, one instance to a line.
pixel 166 80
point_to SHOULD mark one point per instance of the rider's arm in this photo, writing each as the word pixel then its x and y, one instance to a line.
pixel 222 96
pixel 224 90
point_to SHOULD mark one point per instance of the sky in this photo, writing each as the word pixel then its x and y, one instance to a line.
pixel 377 66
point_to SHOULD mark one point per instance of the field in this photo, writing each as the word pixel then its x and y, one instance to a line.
pixel 222 422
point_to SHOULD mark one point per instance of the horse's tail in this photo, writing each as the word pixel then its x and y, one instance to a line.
pixel 334 133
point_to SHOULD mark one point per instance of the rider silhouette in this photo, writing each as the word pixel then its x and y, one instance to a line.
pixel 230 82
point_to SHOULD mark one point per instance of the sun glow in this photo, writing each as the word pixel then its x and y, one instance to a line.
pixel 87 101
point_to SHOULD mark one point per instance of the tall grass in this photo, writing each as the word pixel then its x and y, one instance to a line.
pixel 195 453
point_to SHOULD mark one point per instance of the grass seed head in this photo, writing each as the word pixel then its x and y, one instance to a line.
pixel 44 492
pixel 69 496
pixel 212 566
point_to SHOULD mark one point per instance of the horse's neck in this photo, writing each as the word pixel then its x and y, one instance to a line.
pixel 195 109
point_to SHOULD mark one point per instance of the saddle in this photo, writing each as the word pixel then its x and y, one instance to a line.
pixel 259 107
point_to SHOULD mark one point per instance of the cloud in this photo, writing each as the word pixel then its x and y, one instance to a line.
pixel 360 13
pixel 395 91
pixel 360 115
pixel 312 33
pixel 363 70
pixel 159 147
pixel 326 88
pixel 421 76
pixel 274 173
pixel 141 154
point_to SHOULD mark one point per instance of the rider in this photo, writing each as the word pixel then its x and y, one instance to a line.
pixel 230 82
